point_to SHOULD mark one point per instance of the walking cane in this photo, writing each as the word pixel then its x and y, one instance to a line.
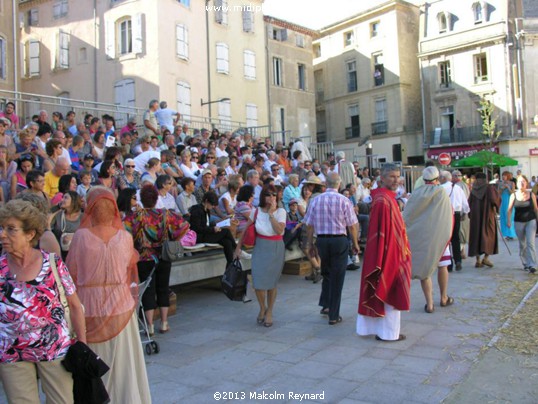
pixel 501 236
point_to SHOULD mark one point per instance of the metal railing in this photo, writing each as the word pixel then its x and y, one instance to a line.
pixel 29 104
pixel 468 134
pixel 353 131
pixel 321 150
pixel 380 128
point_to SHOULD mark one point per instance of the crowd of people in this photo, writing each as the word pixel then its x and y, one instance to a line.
pixel 97 202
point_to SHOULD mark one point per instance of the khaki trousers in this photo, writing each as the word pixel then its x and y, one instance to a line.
pixel 20 382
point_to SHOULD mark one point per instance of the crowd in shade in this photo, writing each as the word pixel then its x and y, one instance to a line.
pixel 94 202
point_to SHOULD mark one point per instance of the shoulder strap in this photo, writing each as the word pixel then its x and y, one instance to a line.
pixel 165 221
pixel 52 263
pixel 62 222
pixel 255 215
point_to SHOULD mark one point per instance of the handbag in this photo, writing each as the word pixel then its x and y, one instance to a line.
pixel 249 239
pixel 189 239
pixel 172 250
pixel 63 298
pixel 234 281
pixel 65 238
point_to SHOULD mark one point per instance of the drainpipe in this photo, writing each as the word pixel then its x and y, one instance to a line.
pixel 15 50
pixel 208 61
pixel 95 47
pixel 519 34
pixel 423 104
pixel 267 81
pixel 424 143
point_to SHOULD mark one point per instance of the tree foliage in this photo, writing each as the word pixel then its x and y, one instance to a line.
pixel 489 122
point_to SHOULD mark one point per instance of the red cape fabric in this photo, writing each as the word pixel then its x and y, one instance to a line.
pixel 386 273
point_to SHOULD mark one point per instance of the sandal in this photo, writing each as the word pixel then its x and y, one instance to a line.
pixel 487 262
pixel 260 320
pixel 429 310
pixel 449 302
pixel 334 322
pixel 164 327
pixel 324 312
pixel 478 264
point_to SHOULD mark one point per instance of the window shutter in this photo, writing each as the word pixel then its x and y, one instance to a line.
pixel 182 40
pixel 34 57
pixel 3 56
pixel 252 115
pixel 64 50
pixel 225 115
pixel 249 60
pixel 218 11
pixel 222 58
pixel 137 33
pixel 57 9
pixel 248 21
pixel 183 94
pixel 110 40
pixel 283 34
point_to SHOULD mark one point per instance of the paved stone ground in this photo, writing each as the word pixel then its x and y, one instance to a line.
pixel 215 345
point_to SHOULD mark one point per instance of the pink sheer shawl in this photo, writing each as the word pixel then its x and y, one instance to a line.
pixel 102 261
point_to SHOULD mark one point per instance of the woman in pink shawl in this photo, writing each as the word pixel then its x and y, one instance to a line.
pixel 102 262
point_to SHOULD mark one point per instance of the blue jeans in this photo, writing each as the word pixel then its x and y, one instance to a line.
pixel 526 232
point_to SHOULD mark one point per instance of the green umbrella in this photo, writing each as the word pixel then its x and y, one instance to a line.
pixel 485 158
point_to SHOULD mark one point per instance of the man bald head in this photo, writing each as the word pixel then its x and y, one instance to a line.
pixel 62 167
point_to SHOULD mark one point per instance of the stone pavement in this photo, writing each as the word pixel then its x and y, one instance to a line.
pixel 215 345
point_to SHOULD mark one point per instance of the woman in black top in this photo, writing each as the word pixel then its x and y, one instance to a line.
pixel 524 203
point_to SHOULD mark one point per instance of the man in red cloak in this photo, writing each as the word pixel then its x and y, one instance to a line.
pixel 386 273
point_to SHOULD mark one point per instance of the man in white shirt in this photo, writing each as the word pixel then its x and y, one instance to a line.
pixel 253 178
pixel 271 159
pixel 221 149
pixel 169 143
pixel 460 207
pixel 59 135
pixel 166 117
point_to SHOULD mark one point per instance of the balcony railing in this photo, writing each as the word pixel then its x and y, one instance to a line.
pixel 321 136
pixel 468 134
pixel 380 128
pixel 353 131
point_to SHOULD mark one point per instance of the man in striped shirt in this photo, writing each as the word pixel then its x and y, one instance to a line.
pixel 329 215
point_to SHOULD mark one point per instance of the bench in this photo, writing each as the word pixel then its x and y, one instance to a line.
pixel 208 262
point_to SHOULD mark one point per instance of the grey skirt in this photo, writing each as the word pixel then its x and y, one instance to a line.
pixel 267 263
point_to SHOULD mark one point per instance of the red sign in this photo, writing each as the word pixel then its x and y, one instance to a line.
pixel 533 152
pixel 444 159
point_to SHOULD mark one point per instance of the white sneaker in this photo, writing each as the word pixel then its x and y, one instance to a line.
pixel 245 255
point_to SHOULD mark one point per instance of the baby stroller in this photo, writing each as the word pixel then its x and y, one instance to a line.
pixel 150 344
